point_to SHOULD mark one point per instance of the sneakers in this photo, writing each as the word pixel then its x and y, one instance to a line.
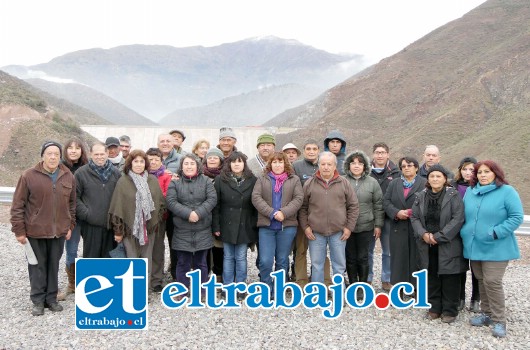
pixel 498 330
pixel 431 316
pixel 386 286
pixel 448 319
pixel 38 310
pixel 480 320
pixel 474 306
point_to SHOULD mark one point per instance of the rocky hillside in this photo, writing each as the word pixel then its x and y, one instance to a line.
pixel 84 96
pixel 252 108
pixel 157 80
pixel 29 117
pixel 464 86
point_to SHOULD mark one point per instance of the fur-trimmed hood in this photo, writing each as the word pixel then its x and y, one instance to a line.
pixel 365 160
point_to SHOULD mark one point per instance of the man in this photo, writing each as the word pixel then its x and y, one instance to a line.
pixel 431 156
pixel 292 152
pixel 178 139
pixel 43 215
pixel 265 145
pixel 125 146
pixel 305 168
pixel 114 154
pixel 336 144
pixel 384 171
pixel 170 157
pixel 95 183
pixel 227 141
pixel 334 209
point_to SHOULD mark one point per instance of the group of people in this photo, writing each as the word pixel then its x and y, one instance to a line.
pixel 215 203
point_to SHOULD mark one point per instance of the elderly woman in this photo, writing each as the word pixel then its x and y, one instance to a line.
pixel 234 217
pixel 191 199
pixel 200 148
pixel 461 183
pixel 397 202
pixel 437 216
pixel 74 157
pixel 371 215
pixel 277 196
pixel 137 208
pixel 493 211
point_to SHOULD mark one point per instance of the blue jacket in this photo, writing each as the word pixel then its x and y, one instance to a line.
pixel 491 209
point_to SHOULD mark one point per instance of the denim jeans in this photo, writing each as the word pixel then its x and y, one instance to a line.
pixel 318 252
pixel 72 245
pixel 385 247
pixel 274 249
pixel 234 262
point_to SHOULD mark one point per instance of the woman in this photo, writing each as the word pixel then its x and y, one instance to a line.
pixel 74 157
pixel 158 170
pixel 397 202
pixel 191 199
pixel 371 215
pixel 200 148
pixel 137 208
pixel 211 167
pixel 234 217
pixel 461 183
pixel 437 216
pixel 277 196
pixel 493 211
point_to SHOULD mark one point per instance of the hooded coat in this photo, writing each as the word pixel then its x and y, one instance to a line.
pixel 184 196
pixel 335 134
pixel 369 194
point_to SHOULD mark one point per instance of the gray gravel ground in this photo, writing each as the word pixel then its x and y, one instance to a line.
pixel 244 328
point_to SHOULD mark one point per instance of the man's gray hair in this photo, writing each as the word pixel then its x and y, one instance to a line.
pixel 432 147
pixel 125 138
pixel 327 154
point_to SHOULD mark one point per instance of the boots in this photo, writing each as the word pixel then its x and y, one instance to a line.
pixel 70 289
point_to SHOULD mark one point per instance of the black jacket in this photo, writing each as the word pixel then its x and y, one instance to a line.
pixel 390 173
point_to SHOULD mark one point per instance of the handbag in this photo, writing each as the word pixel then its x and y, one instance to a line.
pixel 118 252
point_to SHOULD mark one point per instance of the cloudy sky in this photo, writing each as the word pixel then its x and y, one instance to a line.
pixel 35 31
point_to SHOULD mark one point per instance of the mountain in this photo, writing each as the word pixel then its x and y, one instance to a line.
pixel 252 108
pixel 106 107
pixel 29 117
pixel 464 87
pixel 156 80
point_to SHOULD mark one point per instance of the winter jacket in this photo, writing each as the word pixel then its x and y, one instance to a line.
pixel 292 197
pixel 369 195
pixel 305 169
pixel 492 215
pixel 450 249
pixel 234 215
pixel 256 165
pixel 40 208
pixel 184 196
pixel 328 207
pixel 172 161
pixel 335 134
pixel 390 173
pixel 94 196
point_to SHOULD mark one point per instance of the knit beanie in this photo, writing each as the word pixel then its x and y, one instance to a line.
pixel 265 138
pixel 51 143
pixel 214 151
pixel 437 167
pixel 225 131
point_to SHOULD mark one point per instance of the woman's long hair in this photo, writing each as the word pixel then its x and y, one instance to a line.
pixel 226 170
pixel 500 178
pixel 84 157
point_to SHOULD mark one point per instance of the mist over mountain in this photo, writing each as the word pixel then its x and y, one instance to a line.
pixel 157 80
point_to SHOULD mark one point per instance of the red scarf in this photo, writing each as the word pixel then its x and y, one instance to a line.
pixel 280 179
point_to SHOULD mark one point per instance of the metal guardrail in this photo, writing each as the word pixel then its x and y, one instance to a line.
pixel 6 197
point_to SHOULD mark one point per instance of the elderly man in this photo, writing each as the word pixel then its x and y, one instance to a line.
pixel 431 156
pixel 178 140
pixel 125 146
pixel 170 157
pixel 334 209
pixel 95 183
pixel 227 141
pixel 291 151
pixel 113 149
pixel 43 216
pixel 265 145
